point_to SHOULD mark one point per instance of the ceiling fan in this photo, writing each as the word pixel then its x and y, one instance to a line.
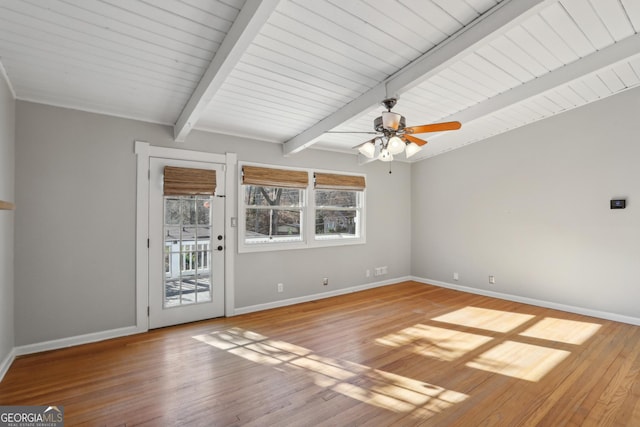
pixel 394 137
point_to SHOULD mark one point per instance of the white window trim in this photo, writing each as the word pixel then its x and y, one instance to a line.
pixel 308 216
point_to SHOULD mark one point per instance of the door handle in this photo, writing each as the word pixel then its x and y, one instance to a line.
pixel 220 248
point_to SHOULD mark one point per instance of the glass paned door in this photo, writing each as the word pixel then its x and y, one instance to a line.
pixel 186 250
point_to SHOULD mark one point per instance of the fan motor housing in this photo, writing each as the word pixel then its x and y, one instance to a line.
pixel 377 124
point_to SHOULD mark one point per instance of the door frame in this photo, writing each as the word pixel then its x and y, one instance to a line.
pixel 144 151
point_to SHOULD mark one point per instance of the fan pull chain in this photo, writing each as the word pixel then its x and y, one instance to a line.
pixel 389 168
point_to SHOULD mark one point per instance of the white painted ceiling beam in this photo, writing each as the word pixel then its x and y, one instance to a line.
pixel 621 51
pixel 501 18
pixel 624 50
pixel 250 20
pixel 495 22
pixel 354 108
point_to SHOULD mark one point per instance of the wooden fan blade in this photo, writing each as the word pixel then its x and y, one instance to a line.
pixel 413 139
pixel 435 127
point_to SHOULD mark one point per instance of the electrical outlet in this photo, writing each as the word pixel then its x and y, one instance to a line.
pixel 325 281
pixel 492 280
pixel 384 270
pixel 367 273
pixel 280 287
pixel 455 276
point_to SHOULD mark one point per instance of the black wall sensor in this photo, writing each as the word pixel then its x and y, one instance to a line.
pixel 618 204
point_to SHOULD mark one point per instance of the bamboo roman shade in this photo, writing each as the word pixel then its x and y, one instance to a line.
pixel 330 181
pixel 271 177
pixel 188 182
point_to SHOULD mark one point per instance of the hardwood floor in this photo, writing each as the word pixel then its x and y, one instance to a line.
pixel 406 354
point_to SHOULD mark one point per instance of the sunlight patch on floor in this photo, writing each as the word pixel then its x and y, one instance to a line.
pixel 562 330
pixel 431 341
pixel 372 386
pixel 519 360
pixel 484 318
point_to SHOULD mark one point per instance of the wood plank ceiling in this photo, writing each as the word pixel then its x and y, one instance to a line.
pixel 288 71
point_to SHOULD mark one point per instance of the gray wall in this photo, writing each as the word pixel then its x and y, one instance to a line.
pixel 75 234
pixel 532 208
pixel 75 253
pixel 7 154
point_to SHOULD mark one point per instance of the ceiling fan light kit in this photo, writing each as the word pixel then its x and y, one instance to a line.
pixel 395 145
pixel 368 149
pixel 396 137
pixel 385 155
pixel 391 121
pixel 412 148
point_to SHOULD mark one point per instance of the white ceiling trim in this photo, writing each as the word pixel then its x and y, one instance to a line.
pixel 624 50
pixel 252 17
pixel 501 18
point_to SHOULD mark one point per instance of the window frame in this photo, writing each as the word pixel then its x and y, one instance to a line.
pixel 276 239
pixel 333 239
pixel 309 239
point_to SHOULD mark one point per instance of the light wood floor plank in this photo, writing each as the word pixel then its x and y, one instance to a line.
pixel 408 354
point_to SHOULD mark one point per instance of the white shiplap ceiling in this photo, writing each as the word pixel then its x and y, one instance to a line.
pixel 289 71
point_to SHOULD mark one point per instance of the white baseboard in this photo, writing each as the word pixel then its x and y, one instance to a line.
pixel 77 340
pixel 541 303
pixel 6 363
pixel 314 297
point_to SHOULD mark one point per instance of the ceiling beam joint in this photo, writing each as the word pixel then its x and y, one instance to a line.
pixel 252 17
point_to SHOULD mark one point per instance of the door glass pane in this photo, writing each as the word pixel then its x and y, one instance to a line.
pixel 187 250
pixel 172 211
pixel 204 287
pixel 188 210
pixel 203 212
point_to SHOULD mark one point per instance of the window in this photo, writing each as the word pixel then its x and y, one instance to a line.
pixel 338 206
pixel 293 208
pixel 337 214
pixel 272 214
pixel 273 206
